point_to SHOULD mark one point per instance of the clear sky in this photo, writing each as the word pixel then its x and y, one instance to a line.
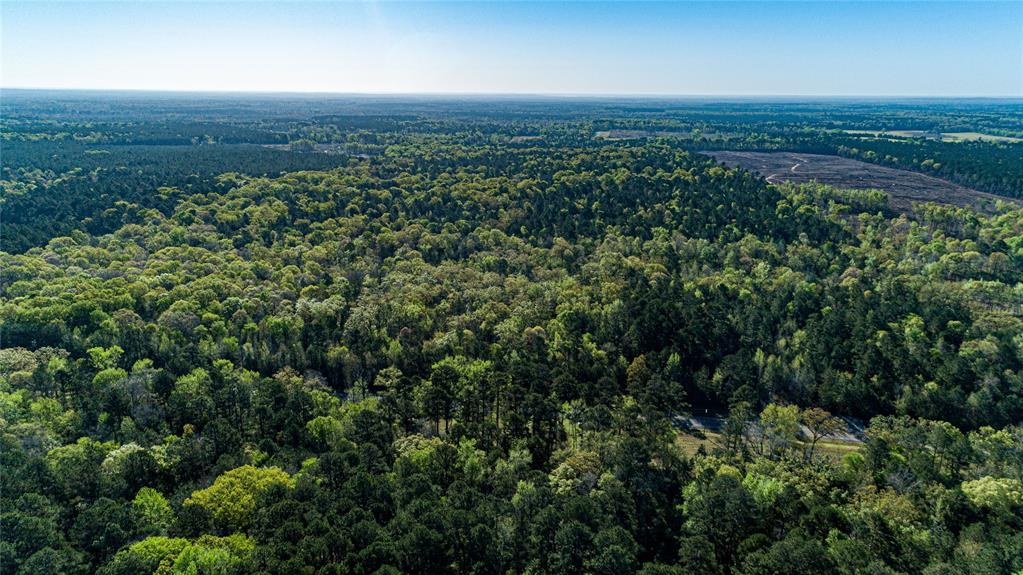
pixel 921 48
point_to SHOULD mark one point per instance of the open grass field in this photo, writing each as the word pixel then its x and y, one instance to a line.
pixel 904 187
pixel 615 135
pixel 944 136
pixel 977 136
pixel 618 135
pixel 893 133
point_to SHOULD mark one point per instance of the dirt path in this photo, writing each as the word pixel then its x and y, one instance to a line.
pixel 770 179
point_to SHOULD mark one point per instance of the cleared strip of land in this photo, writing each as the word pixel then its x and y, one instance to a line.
pixel 977 136
pixel 903 186
pixel 932 135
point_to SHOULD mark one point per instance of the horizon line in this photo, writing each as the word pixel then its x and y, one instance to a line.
pixel 523 94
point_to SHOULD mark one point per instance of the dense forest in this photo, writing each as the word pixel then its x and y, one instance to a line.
pixel 383 336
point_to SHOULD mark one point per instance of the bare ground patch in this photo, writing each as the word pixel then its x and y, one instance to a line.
pixel 903 186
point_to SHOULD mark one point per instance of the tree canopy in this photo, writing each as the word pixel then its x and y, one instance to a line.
pixel 481 340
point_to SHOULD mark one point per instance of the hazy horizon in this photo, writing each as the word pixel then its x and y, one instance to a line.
pixel 644 50
pixel 507 95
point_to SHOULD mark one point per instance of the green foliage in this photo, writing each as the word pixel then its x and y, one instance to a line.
pixel 325 432
pixel 207 555
pixel 151 513
pixel 151 555
pixel 792 555
pixel 779 427
pixel 48 561
pixel 997 493
pixel 438 344
pixel 230 555
pixel 231 500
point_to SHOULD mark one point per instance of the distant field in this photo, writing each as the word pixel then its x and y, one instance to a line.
pixel 893 133
pixel 903 186
pixel 975 136
pixel 639 134
pixel 944 136
pixel 633 134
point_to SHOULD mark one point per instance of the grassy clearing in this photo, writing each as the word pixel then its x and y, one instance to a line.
pixel 945 136
pixel 977 137
pixel 891 133
pixel 690 445
pixel 616 135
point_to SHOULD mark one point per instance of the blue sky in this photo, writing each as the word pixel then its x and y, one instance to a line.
pixel 921 48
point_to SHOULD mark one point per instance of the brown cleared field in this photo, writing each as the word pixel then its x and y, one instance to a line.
pixel 903 186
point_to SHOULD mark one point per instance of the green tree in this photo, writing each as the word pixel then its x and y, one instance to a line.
pixel 437 395
pixel 151 513
pixel 231 500
pixel 820 423
pixel 779 429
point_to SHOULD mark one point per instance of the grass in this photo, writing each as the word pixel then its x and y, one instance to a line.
pixel 977 136
pixel 945 136
pixel 690 444
pixel 894 133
